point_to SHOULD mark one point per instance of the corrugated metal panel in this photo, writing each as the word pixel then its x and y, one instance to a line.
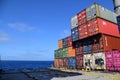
pixel 74 33
pixel 74 22
pixel 69 41
pixel 98 11
pixel 82 17
pixel 87 46
pixel 64 52
pixel 56 63
pixel 79 62
pixel 88 61
pixel 99 25
pixel 56 54
pixel 83 31
pixel 60 63
pixel 65 62
pixel 111 43
pixel 60 54
pixel 72 63
pixel 99 60
pixel 65 42
pixel 97 45
pixel 60 44
pixel 79 48
pixel 113 60
pixel 71 52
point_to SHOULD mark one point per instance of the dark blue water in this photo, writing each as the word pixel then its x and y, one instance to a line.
pixel 25 64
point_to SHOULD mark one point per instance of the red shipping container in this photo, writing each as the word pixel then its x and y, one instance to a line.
pixel 82 17
pixel 60 63
pixel 79 61
pixel 65 62
pixel 99 25
pixel 56 63
pixel 113 60
pixel 79 48
pixel 103 42
pixel 69 41
pixel 111 42
pixel 83 31
pixel 97 43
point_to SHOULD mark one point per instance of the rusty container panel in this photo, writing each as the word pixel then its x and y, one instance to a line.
pixel 69 41
pixel 83 31
pixel 97 43
pixel 82 17
pixel 99 61
pixel 60 62
pixel 60 44
pixel 65 62
pixel 111 42
pixel 56 63
pixel 79 62
pixel 87 59
pixel 79 48
pixel 99 25
pixel 71 52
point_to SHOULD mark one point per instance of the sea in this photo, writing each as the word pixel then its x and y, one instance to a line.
pixel 6 65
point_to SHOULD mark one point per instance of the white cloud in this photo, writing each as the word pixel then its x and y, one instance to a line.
pixel 4 37
pixel 65 33
pixel 21 27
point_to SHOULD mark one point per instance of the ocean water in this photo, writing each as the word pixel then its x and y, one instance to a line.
pixel 25 64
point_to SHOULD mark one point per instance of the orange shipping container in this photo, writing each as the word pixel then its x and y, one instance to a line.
pixel 60 44
pixel 56 63
pixel 71 52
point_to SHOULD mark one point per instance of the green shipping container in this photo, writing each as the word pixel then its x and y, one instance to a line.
pixel 61 53
pixel 56 53
pixel 98 11
pixel 65 52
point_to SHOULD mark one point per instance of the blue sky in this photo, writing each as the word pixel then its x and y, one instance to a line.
pixel 30 29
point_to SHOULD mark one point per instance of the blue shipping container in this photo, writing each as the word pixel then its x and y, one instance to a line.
pixel 87 46
pixel 74 34
pixel 65 42
pixel 118 21
pixel 72 63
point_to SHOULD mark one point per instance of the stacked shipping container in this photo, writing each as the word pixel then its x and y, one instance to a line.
pixel 94 41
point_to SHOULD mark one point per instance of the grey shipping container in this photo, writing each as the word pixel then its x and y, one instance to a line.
pixel 98 11
pixel 74 22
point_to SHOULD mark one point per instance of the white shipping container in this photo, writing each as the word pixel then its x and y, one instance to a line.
pixel 74 22
pixel 87 59
pixel 99 60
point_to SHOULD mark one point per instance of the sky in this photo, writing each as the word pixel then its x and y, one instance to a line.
pixel 30 29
